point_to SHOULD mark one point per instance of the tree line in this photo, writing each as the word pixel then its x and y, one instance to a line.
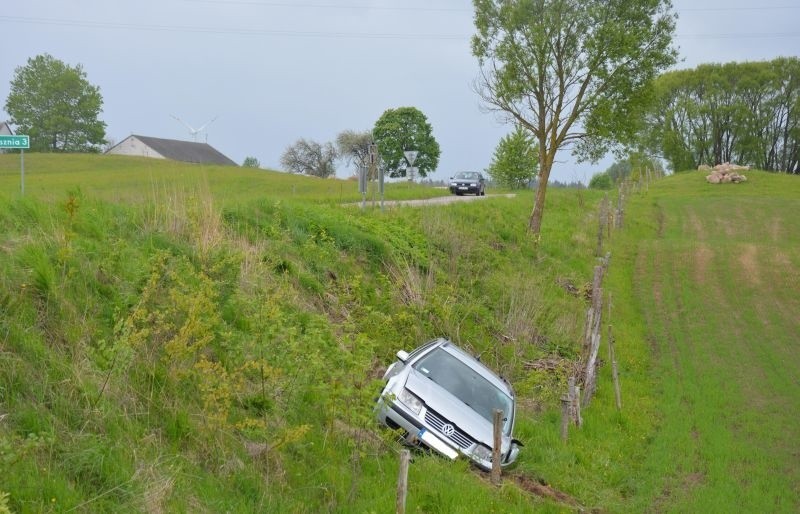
pixel 747 113
pixel 395 132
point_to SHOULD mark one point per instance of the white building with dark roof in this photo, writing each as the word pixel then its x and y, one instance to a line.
pixel 157 148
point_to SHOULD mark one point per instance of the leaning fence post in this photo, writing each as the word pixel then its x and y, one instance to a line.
pixel 565 404
pixel 590 370
pixel 497 420
pixel 575 402
pixel 571 392
pixel 402 481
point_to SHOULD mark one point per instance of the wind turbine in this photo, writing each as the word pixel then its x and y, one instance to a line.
pixel 194 131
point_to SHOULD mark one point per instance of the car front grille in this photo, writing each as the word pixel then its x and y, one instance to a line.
pixel 438 422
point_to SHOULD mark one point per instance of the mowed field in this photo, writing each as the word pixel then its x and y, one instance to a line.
pixel 715 277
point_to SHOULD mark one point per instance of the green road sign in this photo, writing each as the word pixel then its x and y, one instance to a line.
pixel 15 142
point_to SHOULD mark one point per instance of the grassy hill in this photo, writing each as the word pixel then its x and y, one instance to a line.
pixel 179 338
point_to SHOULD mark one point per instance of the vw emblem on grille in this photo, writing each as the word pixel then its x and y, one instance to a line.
pixel 448 429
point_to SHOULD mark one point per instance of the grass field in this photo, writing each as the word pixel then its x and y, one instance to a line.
pixel 138 179
pixel 180 338
pixel 712 275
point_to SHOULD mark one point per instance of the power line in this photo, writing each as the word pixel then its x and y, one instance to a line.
pixel 748 35
pixel 299 5
pixel 235 31
pixel 331 6
pixel 759 8
pixel 327 35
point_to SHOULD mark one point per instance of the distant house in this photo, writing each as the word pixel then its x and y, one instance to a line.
pixel 5 130
pixel 157 148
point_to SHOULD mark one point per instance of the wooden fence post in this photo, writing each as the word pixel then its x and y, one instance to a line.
pixel 614 371
pixel 565 403
pixel 590 370
pixel 600 228
pixel 612 356
pixel 402 481
pixel 497 421
pixel 575 402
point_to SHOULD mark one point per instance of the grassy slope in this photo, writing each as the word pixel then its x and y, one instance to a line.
pixel 712 275
pixel 139 179
pixel 179 338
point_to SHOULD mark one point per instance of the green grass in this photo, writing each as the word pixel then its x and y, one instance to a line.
pixel 138 179
pixel 181 338
pixel 710 274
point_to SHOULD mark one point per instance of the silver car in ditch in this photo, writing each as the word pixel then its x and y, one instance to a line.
pixel 440 397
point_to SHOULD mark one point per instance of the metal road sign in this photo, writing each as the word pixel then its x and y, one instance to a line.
pixel 411 156
pixel 15 142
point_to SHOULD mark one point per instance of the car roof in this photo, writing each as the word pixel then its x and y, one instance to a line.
pixel 451 348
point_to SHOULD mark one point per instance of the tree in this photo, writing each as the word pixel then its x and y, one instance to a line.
pixel 311 158
pixel 618 171
pixel 56 106
pixel 601 181
pixel 573 72
pixel 748 113
pixel 635 165
pixel 354 147
pixel 251 162
pixel 401 129
pixel 516 159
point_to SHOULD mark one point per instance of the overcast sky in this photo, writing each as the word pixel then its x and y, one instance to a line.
pixel 272 72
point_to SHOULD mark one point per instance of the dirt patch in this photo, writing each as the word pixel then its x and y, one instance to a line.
pixel 750 268
pixel 703 255
pixel 780 260
pixel 544 490
pixel 775 229
pixel 696 226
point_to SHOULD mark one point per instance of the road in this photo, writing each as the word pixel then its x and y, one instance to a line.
pixel 439 200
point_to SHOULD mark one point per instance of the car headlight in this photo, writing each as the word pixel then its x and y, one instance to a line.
pixel 473 184
pixel 411 401
pixel 483 453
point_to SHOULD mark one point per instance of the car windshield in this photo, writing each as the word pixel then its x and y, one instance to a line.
pixel 469 175
pixel 466 384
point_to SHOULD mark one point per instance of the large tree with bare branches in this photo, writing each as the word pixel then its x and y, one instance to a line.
pixel 576 73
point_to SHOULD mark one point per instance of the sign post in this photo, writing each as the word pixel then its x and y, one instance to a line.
pixel 20 143
pixel 374 159
pixel 362 184
pixel 411 156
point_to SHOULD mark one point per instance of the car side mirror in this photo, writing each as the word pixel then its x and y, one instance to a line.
pixel 402 355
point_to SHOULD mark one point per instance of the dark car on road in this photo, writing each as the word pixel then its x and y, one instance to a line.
pixel 471 182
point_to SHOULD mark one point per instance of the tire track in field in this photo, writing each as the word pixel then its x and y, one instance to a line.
pixel 717 314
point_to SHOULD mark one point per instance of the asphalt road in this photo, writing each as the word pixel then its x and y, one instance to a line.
pixel 439 200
